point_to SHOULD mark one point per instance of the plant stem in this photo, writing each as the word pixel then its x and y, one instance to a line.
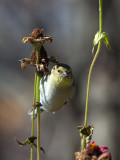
pixel 90 71
pixel 38 116
pixel 38 133
pixel 88 89
pixel 100 16
pixel 38 108
pixel 89 78
pixel 34 100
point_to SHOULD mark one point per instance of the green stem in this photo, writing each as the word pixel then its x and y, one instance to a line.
pixel 90 71
pixel 38 108
pixel 38 133
pixel 89 78
pixel 38 117
pixel 100 16
pixel 34 100
pixel 88 89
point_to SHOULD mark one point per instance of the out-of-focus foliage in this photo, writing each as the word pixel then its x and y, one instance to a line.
pixel 72 25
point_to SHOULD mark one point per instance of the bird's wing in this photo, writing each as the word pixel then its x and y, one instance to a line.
pixel 30 112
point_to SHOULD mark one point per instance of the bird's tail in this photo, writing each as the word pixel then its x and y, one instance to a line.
pixel 30 112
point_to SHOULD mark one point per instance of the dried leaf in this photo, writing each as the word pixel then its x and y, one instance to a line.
pixel 29 140
pixel 24 63
pixel 23 143
pixel 53 59
pixel 87 132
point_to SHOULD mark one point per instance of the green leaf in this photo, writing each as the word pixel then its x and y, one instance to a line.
pixel 107 42
pixel 101 36
pixel 98 37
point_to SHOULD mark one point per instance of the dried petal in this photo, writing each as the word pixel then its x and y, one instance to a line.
pixel 105 156
pixel 24 63
pixel 82 156
pixel 37 42
pixel 37 33
pixel 53 59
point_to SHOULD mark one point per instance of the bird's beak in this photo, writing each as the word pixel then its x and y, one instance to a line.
pixel 64 74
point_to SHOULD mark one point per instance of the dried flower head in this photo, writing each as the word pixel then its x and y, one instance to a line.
pixel 37 33
pixel 37 38
pixel 94 152
pixel 93 149
pixel 84 156
pixel 106 155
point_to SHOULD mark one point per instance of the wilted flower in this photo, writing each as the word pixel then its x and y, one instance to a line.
pixel 93 149
pixel 106 155
pixel 37 38
pixel 94 152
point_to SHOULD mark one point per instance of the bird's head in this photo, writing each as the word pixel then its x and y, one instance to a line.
pixel 62 75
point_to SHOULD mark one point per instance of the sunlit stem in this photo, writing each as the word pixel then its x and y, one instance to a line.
pixel 88 89
pixel 34 100
pixel 38 101
pixel 89 75
pixel 100 16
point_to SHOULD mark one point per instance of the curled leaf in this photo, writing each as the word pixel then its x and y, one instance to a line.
pixel 29 140
pixel 26 142
pixel 101 36
pixel 87 132
pixel 24 63
pixel 106 41
pixel 42 150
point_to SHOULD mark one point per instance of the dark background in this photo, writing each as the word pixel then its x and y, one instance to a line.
pixel 72 24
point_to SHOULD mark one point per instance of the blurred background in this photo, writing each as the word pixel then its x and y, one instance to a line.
pixel 72 25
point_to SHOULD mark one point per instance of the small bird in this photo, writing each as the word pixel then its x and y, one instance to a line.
pixel 56 88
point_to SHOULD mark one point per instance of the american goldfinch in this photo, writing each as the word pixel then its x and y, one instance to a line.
pixel 56 88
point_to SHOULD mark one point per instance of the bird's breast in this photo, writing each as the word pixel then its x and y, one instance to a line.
pixel 53 98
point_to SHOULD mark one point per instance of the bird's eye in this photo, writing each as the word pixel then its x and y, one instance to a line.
pixel 58 70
